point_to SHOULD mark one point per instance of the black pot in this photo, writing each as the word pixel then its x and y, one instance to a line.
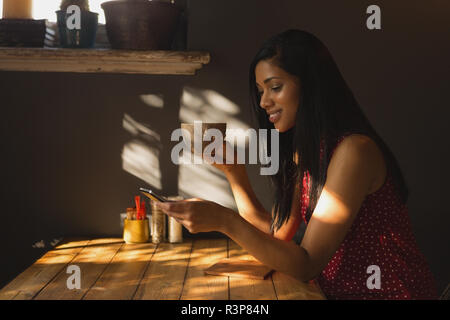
pixel 83 38
pixel 141 24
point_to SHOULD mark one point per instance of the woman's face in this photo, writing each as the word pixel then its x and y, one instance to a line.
pixel 280 94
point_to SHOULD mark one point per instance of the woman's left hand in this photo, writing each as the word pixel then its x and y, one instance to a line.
pixel 197 215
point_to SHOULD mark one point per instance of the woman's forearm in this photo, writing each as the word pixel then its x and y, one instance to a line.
pixel 283 256
pixel 248 204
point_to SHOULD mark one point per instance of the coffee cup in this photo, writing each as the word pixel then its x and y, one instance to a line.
pixel 197 132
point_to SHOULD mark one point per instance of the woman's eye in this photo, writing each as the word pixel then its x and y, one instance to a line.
pixel 277 88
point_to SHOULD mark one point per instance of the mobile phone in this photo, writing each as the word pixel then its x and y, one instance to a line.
pixel 152 195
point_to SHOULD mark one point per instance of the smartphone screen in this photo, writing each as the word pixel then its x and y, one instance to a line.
pixel 152 195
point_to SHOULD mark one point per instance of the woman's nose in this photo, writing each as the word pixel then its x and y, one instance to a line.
pixel 265 101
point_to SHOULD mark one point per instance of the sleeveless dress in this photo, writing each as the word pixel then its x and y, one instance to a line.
pixel 380 236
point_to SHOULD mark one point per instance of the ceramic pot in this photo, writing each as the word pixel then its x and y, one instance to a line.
pixel 141 24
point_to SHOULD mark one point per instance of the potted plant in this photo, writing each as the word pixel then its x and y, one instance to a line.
pixel 141 24
pixel 77 25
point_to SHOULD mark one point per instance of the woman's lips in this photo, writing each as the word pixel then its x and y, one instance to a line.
pixel 274 117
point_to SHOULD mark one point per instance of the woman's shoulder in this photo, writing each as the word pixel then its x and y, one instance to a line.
pixel 362 152
pixel 357 140
pixel 356 146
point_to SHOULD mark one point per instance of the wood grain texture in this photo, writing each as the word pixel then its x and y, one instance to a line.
pixel 37 276
pixel 111 269
pixel 92 260
pixel 244 289
pixel 165 275
pixel 239 268
pixel 199 286
pixel 123 274
pixel 102 61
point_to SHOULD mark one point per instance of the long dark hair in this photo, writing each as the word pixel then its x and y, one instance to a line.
pixel 327 111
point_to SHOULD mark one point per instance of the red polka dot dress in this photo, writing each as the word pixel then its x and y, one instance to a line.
pixel 380 237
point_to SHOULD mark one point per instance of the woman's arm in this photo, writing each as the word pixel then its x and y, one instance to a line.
pixel 252 210
pixel 248 204
pixel 356 169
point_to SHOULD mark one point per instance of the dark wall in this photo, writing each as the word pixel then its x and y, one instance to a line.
pixel 63 134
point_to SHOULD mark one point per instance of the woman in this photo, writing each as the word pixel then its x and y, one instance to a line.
pixel 336 174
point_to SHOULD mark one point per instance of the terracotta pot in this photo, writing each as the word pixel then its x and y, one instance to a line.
pixel 141 24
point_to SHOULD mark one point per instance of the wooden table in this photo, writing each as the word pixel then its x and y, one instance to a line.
pixel 111 269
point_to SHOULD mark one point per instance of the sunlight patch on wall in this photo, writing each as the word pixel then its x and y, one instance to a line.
pixel 140 156
pixel 209 106
pixel 205 182
pixel 136 128
pixel 219 102
pixel 142 162
pixel 153 100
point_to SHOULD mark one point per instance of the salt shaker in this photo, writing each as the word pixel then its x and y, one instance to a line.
pixel 175 228
pixel 158 224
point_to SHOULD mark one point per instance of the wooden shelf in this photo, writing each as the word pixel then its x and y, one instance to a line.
pixel 102 61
